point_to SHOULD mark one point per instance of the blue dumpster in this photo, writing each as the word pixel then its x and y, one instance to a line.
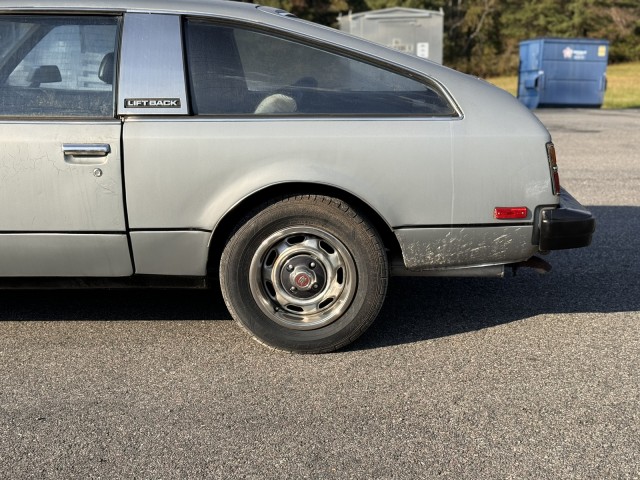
pixel 562 72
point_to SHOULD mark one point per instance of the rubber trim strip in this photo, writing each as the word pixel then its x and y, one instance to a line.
pixel 468 225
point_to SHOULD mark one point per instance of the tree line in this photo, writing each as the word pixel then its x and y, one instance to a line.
pixel 481 36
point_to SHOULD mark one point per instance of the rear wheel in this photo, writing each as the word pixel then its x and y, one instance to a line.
pixel 304 274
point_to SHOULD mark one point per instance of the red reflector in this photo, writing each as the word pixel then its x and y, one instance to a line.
pixel 510 213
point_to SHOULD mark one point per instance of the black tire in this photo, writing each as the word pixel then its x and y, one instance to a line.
pixel 304 274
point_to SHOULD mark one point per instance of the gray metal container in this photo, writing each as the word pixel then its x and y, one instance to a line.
pixel 410 30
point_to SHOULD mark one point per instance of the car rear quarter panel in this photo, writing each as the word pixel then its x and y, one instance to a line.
pixel 189 173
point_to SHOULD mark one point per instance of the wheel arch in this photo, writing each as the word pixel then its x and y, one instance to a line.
pixel 225 227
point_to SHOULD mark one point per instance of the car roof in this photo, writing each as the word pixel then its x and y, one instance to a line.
pixel 162 6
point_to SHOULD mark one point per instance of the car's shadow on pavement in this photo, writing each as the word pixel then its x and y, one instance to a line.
pixel 601 278
pixel 112 305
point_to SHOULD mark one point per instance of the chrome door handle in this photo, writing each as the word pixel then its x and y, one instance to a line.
pixel 86 149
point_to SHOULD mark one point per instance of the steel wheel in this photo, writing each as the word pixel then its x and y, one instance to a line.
pixel 303 277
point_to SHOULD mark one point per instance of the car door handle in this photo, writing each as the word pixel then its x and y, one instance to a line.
pixel 86 153
pixel 86 149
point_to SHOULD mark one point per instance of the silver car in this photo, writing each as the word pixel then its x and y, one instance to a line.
pixel 148 143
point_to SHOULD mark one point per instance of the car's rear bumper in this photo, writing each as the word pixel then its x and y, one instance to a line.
pixel 569 225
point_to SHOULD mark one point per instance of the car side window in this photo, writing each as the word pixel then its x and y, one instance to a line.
pixel 236 70
pixel 57 66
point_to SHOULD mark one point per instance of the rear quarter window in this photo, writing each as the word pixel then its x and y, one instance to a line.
pixel 237 70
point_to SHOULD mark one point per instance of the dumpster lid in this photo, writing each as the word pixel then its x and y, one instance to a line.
pixel 566 40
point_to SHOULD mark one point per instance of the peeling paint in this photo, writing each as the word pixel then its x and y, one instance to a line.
pixel 425 249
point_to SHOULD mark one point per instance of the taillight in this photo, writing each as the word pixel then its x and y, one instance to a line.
pixel 553 169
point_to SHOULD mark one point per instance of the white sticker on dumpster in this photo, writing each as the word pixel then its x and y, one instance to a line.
pixel 571 54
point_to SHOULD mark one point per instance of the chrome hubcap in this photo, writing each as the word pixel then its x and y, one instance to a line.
pixel 303 277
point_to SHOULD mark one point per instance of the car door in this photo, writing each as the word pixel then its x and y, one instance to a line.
pixel 61 194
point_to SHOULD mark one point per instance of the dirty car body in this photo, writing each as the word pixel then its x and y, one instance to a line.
pixel 166 143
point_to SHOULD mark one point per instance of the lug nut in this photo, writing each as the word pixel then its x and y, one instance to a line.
pixel 314 286
pixel 312 265
pixel 292 289
pixel 289 268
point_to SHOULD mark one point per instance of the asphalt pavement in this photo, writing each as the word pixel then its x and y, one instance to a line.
pixel 524 377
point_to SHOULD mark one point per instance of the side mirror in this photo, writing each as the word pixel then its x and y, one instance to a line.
pixel 45 74
pixel 105 72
